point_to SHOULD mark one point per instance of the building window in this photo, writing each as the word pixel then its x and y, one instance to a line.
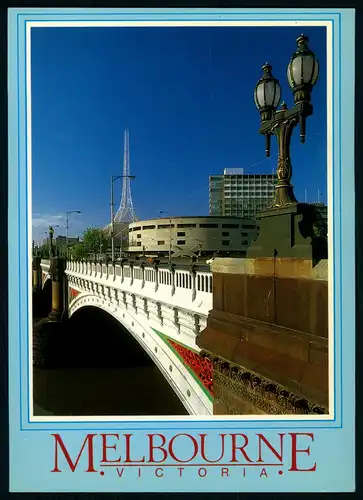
pixel 148 227
pixel 180 233
pixel 244 242
pixel 161 242
pixel 225 234
pixel 209 225
pixel 248 226
pixel 230 226
pixel 138 243
pixel 180 242
pixel 244 234
pixel 186 225
pixel 164 226
pixel 136 229
pixel 225 243
pixel 138 235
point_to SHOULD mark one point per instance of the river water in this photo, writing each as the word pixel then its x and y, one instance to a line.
pixel 97 368
pixel 104 391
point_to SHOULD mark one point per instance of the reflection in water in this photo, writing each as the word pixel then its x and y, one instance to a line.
pixel 98 368
pixel 105 391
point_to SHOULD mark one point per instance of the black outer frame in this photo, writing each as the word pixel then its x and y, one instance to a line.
pixel 4 417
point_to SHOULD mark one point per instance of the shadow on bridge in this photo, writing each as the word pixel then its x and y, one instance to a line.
pixel 100 369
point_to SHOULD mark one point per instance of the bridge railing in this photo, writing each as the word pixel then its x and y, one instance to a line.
pixel 200 281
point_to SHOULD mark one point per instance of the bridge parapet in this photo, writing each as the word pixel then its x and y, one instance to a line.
pixel 267 336
pixel 194 288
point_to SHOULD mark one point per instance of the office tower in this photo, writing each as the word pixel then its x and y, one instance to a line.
pixel 240 195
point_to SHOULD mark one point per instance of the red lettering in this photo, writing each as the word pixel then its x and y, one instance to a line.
pixel 105 447
pixel 59 442
pixel 202 448
pixel 295 451
pixel 224 471
pixel 171 449
pixel 128 450
pixel 180 469
pixel 156 472
pixel 152 447
pixel 240 448
pixel 262 439
pixel 200 474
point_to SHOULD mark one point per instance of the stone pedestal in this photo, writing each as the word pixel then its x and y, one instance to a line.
pixel 292 231
pixel 267 336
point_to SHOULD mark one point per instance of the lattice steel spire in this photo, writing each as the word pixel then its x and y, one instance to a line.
pixel 126 212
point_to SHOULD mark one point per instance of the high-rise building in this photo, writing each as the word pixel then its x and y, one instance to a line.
pixel 322 210
pixel 240 195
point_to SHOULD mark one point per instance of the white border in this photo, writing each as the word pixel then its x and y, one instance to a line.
pixel 331 313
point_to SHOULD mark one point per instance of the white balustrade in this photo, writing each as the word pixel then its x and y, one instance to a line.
pixel 178 288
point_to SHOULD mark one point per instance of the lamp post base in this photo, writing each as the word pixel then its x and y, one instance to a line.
pixel 290 231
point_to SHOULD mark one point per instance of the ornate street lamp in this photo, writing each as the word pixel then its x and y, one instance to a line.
pixel 302 74
pixel 287 228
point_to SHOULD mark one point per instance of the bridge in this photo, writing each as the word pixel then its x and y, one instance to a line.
pixel 250 336
pixel 163 309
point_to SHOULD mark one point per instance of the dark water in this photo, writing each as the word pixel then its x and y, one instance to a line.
pixel 97 368
pixel 105 391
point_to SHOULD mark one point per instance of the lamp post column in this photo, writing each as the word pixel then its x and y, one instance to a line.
pixel 67 222
pixel 112 220
pixel 170 241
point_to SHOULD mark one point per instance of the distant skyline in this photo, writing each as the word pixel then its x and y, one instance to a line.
pixel 186 97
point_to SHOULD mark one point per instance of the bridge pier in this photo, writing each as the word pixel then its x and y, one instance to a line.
pixel 58 284
pixel 37 275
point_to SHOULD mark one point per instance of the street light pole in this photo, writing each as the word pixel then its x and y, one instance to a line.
pixel 287 228
pixel 113 179
pixel 167 213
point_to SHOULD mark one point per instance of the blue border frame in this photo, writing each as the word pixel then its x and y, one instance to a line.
pixel 344 273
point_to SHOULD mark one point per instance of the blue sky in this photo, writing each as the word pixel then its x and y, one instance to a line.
pixel 186 96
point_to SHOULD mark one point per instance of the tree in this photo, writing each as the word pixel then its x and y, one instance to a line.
pixel 94 240
pixel 78 251
pixel 43 251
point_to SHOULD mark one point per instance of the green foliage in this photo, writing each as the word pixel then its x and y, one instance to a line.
pixel 78 251
pixel 43 251
pixel 94 240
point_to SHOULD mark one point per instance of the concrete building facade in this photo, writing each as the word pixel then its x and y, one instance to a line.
pixel 201 235
pixel 237 194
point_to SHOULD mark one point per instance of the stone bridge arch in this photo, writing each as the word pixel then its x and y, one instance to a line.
pixel 164 353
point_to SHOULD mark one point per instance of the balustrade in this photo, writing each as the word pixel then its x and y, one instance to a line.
pixel 179 279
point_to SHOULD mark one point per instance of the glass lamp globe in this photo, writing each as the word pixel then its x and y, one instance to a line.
pixel 268 90
pixel 303 68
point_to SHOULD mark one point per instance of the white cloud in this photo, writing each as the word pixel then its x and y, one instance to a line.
pixel 44 221
pixel 41 223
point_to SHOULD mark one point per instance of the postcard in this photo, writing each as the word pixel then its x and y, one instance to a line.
pixel 181 250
